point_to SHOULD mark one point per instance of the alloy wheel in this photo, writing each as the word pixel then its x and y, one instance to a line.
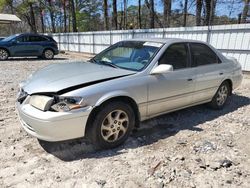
pixel 114 125
pixel 49 54
pixel 3 54
pixel 222 95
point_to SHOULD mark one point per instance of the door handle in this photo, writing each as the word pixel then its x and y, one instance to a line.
pixel 189 79
pixel 221 73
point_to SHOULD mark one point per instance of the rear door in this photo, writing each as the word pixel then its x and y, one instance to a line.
pixel 209 71
pixel 37 43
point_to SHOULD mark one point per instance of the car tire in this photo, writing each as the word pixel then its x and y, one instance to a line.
pixel 220 98
pixel 4 55
pixel 48 54
pixel 111 126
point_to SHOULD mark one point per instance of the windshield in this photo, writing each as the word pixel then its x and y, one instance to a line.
pixel 9 38
pixel 131 55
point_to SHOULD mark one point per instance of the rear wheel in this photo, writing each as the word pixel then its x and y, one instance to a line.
pixel 48 54
pixel 3 54
pixel 112 125
pixel 221 96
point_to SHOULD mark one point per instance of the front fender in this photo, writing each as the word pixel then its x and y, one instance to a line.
pixel 112 94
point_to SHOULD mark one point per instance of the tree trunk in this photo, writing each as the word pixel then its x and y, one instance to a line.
pixel 213 7
pixel 185 13
pixel 198 12
pixel 125 14
pixel 41 13
pixel 106 20
pixel 208 11
pixel 167 12
pixel 115 26
pixel 32 19
pixel 42 21
pixel 239 18
pixel 52 16
pixel 150 6
pixel 152 14
pixel 245 11
pixel 64 16
pixel 139 14
pixel 73 11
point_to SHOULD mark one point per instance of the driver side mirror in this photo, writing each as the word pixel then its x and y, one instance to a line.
pixel 162 69
pixel 14 42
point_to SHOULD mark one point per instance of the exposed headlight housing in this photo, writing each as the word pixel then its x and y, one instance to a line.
pixel 65 104
pixel 41 102
pixel 56 103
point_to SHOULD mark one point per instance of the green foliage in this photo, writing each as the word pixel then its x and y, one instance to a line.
pixel 88 15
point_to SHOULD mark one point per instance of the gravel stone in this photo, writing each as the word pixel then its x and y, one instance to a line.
pixel 193 147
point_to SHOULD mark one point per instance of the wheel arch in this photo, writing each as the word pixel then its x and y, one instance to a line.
pixel 230 83
pixel 122 98
pixel 48 48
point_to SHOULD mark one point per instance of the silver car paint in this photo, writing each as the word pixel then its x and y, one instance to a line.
pixel 56 77
pixel 154 94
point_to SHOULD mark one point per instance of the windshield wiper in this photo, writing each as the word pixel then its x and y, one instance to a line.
pixel 103 63
pixel 92 60
pixel 109 64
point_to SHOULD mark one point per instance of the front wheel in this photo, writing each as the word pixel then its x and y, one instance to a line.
pixel 112 125
pixel 221 96
pixel 3 54
pixel 48 54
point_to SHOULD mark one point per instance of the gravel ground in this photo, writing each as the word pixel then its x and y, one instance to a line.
pixel 195 147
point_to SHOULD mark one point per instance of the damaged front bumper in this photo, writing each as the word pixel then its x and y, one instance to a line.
pixel 53 126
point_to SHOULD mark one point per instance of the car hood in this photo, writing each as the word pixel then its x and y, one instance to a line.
pixel 64 76
pixel 3 42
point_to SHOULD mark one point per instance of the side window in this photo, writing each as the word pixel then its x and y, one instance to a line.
pixel 37 39
pixel 32 38
pixel 203 55
pixel 22 39
pixel 175 55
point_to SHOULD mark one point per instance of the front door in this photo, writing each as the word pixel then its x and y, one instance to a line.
pixel 172 90
pixel 22 46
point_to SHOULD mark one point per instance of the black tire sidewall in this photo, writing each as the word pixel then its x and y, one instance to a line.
pixel 95 131
pixel 214 103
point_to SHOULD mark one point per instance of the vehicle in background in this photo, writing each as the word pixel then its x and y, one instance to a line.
pixel 129 82
pixel 1 38
pixel 28 44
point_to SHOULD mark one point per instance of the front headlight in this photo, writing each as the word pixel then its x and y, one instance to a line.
pixel 65 104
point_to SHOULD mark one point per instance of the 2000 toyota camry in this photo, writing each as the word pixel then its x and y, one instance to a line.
pixel 129 82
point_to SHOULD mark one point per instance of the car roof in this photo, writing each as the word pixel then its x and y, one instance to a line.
pixel 164 40
pixel 31 34
pixel 176 40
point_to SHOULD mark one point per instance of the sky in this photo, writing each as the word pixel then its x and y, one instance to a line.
pixel 230 8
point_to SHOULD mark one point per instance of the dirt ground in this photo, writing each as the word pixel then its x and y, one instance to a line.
pixel 195 147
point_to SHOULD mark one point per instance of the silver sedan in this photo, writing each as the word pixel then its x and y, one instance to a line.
pixel 131 81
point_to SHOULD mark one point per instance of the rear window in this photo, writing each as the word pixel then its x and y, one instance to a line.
pixel 50 38
pixel 203 55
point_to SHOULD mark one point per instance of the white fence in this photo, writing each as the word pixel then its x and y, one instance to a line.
pixel 231 40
